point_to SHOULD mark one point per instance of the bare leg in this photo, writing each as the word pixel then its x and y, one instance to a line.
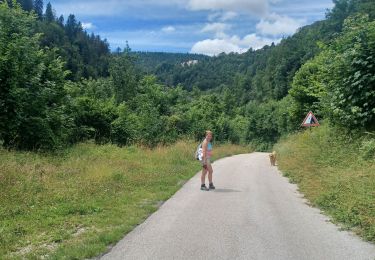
pixel 210 171
pixel 203 177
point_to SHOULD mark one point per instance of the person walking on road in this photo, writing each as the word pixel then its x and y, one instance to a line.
pixel 206 162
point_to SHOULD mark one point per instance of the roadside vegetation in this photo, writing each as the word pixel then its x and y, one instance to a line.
pixel 61 86
pixel 74 204
pixel 73 116
pixel 335 170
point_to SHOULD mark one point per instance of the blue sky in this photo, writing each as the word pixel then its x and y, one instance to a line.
pixel 199 26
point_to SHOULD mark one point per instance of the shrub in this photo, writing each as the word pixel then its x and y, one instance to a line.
pixel 125 129
pixel 367 149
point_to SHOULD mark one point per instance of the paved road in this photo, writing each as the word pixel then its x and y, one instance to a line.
pixel 254 214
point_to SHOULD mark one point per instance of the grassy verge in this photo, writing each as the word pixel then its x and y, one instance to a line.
pixel 74 205
pixel 336 172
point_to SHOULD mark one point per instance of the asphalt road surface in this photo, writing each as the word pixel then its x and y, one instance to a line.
pixel 254 213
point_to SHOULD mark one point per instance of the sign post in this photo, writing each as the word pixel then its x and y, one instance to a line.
pixel 310 121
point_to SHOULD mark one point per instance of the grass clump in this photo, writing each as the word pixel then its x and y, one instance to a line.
pixel 75 204
pixel 336 172
pixel 367 149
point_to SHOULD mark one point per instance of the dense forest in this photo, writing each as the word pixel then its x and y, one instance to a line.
pixel 61 85
pixel 152 62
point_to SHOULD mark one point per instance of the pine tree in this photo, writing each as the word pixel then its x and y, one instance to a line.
pixel 38 7
pixel 127 49
pixel 10 3
pixel 61 20
pixel 49 16
pixel 27 5
pixel 71 26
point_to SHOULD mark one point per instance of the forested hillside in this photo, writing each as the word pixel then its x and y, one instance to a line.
pixel 65 87
pixel 270 70
pixel 272 81
pixel 67 102
pixel 152 62
pixel 85 55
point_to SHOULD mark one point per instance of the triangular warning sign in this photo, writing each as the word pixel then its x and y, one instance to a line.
pixel 310 120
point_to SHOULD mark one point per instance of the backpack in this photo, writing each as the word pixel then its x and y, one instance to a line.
pixel 199 153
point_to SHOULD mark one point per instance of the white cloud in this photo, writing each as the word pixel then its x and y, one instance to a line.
pixel 214 47
pixel 228 16
pixel 277 25
pixel 88 26
pixel 257 7
pixel 232 25
pixel 256 42
pixel 217 28
pixel 222 16
pixel 223 42
pixel 168 29
pixel 214 16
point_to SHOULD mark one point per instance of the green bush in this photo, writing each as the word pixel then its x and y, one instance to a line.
pixel 237 130
pixel 267 122
pixel 125 129
pixel 351 92
pixel 32 95
pixel 367 149
pixel 339 82
pixel 92 119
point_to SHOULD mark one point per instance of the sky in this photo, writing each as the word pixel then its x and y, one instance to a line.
pixel 193 26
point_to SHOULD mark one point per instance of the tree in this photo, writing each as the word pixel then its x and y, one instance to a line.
pixel 308 88
pixel 123 76
pixel 27 5
pixel 10 3
pixel 351 77
pixel 72 26
pixel 32 94
pixel 125 129
pixel 49 15
pixel 340 80
pixel 367 6
pixel 38 7
pixel 60 21
pixel 118 51
pixel 92 119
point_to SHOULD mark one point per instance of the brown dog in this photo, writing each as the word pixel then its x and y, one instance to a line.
pixel 273 158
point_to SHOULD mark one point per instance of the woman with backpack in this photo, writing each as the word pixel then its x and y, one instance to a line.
pixel 206 162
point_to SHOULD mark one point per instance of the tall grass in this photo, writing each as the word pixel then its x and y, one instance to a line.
pixel 336 172
pixel 75 204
